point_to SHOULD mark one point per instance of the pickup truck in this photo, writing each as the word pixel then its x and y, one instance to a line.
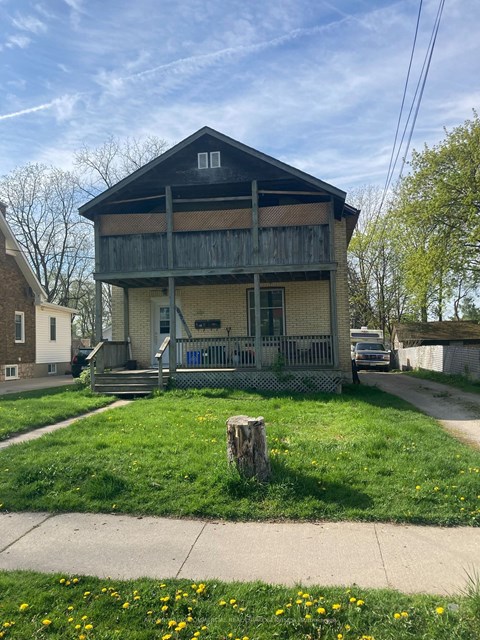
pixel 371 355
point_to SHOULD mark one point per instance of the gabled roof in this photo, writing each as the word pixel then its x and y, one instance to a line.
pixel 87 209
pixel 442 331
pixel 13 248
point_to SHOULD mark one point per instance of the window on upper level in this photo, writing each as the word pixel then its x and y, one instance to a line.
pixel 209 160
pixel 53 329
pixel 19 326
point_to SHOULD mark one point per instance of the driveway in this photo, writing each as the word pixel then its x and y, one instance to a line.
pixel 457 411
pixel 30 384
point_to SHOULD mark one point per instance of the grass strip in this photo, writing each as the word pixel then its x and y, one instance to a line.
pixel 52 607
pixel 21 412
pixel 363 455
pixel 458 381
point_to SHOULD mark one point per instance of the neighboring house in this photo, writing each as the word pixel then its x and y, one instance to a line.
pixel 35 335
pixel 238 258
pixel 446 333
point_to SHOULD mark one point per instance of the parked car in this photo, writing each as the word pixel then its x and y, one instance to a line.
pixel 79 360
pixel 371 355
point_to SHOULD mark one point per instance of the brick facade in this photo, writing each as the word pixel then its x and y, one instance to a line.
pixel 15 295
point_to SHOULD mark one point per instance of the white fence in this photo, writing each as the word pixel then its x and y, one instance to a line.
pixel 446 359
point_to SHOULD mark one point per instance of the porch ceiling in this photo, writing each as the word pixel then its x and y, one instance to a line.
pixel 240 278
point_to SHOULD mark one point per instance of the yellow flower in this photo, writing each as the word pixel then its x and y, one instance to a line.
pixel 164 608
pixel 232 601
pixel 182 625
pixel 308 604
pixel 125 605
pixel 360 603
pixel 62 580
pixel 298 601
pixel 70 620
pixel 75 580
pixel 78 626
pixel 23 606
pixel 404 614
pixel 172 623
pixel 397 616
pixel 336 607
pixel 222 603
pixel 84 617
pixel 89 626
pixel 321 611
pixel 279 612
pixel 70 608
pixel 167 636
pixel 340 636
pixel 353 599
pixel 307 616
pixel 440 610
pixel 46 622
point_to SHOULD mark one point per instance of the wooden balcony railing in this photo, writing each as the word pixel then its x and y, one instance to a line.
pixel 313 351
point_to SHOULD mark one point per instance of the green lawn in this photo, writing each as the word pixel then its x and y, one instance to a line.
pixel 20 412
pixel 363 455
pixel 42 606
pixel 460 382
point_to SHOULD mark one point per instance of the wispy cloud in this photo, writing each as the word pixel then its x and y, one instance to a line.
pixel 63 107
pixel 29 23
pixel 18 41
pixel 196 63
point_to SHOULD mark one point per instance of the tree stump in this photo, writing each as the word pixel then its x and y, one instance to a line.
pixel 247 447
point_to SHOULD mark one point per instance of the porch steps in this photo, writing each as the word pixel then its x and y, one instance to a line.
pixel 127 384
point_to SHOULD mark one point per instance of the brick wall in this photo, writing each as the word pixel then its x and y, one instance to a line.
pixel 14 296
pixel 307 311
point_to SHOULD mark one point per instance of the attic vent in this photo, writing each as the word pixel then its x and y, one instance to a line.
pixel 209 160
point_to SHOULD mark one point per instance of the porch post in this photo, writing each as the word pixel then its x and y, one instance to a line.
pixel 98 299
pixel 334 316
pixel 126 324
pixel 258 321
pixel 332 285
pixel 173 326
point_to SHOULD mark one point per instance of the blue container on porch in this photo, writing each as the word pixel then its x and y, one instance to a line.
pixel 194 357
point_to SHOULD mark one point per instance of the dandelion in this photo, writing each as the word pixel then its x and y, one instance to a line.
pixel 353 600
pixel 70 620
pixel 360 603
pixel 418 487
pixel 23 606
pixel 125 605
pixel 172 623
pixel 165 608
pixel 181 625
pixel 70 608
pixel 222 603
pixel 397 616
pixel 88 627
pixel 404 614
pixel 307 616
pixel 321 611
pixel 336 607
pixel 440 610
pixel 46 622
pixel 279 612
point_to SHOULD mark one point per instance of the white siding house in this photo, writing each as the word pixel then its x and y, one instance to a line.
pixel 53 339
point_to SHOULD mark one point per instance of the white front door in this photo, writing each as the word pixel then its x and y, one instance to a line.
pixel 161 328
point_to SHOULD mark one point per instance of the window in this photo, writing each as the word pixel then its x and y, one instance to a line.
pixel 214 159
pixel 11 372
pixel 203 160
pixel 53 329
pixel 272 312
pixel 52 369
pixel 19 326
pixel 211 160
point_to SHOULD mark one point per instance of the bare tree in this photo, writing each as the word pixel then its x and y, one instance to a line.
pixel 102 167
pixel 42 205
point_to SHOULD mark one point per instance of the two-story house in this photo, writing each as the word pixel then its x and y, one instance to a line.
pixel 238 257
pixel 35 335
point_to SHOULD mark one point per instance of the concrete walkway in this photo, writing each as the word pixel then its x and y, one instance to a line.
pixel 457 411
pixel 410 559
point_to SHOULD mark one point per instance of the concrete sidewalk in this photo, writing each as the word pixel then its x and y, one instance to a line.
pixel 408 558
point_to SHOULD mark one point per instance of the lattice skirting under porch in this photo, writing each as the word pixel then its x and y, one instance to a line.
pixel 300 381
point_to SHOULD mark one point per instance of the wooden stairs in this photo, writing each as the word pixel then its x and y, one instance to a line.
pixel 128 383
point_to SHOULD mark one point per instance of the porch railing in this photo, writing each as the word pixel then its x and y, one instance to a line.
pixel 239 352
pixel 107 355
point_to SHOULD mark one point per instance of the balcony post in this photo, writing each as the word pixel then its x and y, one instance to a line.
pixel 173 326
pixel 332 282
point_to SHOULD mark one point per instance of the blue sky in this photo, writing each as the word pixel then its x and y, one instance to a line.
pixel 315 83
